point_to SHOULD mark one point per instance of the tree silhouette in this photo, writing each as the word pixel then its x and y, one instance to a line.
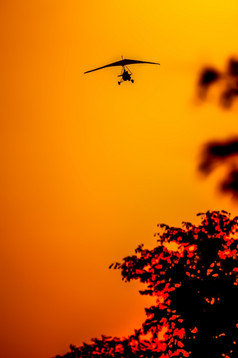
pixel 193 274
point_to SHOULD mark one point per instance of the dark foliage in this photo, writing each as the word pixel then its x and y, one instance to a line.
pixel 218 153
pixel 193 274
pixel 230 184
pixel 209 76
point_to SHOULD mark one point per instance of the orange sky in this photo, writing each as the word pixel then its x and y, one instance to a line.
pixel 89 167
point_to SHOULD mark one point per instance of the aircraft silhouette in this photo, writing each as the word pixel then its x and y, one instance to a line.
pixel 126 72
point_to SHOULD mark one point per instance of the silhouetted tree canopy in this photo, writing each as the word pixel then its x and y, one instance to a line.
pixel 193 275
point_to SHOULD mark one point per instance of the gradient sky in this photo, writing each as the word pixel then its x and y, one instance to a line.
pixel 89 167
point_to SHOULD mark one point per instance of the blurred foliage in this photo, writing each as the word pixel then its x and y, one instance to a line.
pixel 217 153
pixel 228 80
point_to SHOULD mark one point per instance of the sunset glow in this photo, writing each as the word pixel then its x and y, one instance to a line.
pixel 89 168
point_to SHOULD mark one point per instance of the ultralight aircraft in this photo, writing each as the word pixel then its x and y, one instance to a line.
pixel 126 72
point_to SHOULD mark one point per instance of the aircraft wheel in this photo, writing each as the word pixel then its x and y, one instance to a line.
pixel 132 81
pixel 119 83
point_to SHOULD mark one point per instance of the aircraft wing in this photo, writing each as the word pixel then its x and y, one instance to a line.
pixel 122 63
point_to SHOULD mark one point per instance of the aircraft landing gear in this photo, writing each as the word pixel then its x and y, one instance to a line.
pixel 132 81
pixel 119 82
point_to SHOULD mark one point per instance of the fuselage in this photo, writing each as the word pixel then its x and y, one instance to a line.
pixel 126 76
